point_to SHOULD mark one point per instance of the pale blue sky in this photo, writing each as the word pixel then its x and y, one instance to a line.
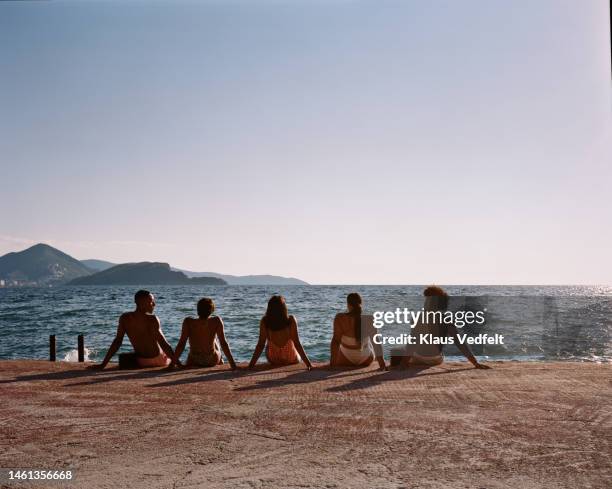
pixel 339 142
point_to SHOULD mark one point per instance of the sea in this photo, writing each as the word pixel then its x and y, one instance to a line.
pixel 539 323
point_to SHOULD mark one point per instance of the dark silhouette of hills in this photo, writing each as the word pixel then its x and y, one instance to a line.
pixel 40 264
pixel 97 265
pixel 43 265
pixel 247 279
pixel 144 273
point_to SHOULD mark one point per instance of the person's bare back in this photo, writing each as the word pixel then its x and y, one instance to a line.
pixel 142 330
pixel 202 334
pixel 352 342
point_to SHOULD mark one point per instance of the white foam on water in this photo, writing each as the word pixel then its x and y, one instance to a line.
pixel 73 355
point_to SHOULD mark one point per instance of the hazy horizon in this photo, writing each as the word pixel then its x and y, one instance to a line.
pixel 337 142
pixel 221 272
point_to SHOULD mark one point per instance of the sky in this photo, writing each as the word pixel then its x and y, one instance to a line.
pixel 340 142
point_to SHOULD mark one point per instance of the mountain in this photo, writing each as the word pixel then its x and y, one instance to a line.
pixel 40 264
pixel 144 273
pixel 247 279
pixel 100 265
pixel 43 265
pixel 97 265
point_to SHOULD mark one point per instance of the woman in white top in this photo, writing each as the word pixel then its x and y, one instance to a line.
pixel 352 344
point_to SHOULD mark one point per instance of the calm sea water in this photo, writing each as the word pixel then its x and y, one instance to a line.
pixel 539 323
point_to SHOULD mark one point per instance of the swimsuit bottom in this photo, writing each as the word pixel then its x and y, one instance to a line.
pixel 202 359
pixel 285 355
pixel 357 356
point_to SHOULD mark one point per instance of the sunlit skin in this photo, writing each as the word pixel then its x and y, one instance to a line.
pixel 143 330
pixel 344 326
pixel 463 348
pixel 451 331
pixel 202 333
pixel 279 338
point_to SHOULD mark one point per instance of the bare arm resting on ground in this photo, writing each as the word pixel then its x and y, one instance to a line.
pixel 115 345
pixel 180 346
pixel 298 344
pixel 335 343
pixel 261 343
pixel 162 342
pixel 224 345
pixel 463 348
pixel 378 349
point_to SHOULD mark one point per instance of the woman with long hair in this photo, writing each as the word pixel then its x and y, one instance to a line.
pixel 352 344
pixel 278 334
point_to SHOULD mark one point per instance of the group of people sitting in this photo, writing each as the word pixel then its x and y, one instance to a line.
pixel 352 342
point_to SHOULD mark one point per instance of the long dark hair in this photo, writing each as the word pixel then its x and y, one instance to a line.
pixel 354 301
pixel 277 316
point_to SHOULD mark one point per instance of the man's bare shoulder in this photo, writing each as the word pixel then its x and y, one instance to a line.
pixel 153 319
pixel 126 316
pixel 216 322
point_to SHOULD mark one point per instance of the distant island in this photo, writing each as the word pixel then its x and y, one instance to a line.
pixel 247 279
pixel 42 265
pixel 144 273
pixel 100 265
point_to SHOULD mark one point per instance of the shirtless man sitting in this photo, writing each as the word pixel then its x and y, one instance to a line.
pixel 144 331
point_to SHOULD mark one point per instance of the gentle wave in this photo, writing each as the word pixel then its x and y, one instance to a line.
pixel 73 355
